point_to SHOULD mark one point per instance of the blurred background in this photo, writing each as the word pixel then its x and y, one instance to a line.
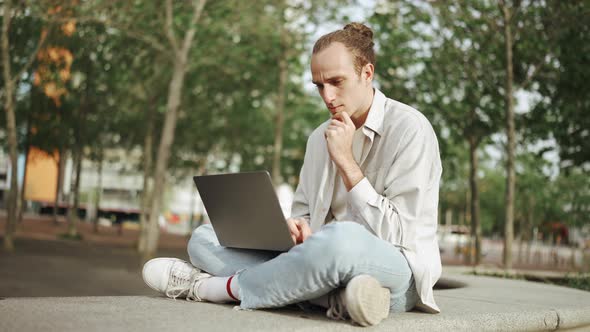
pixel 112 106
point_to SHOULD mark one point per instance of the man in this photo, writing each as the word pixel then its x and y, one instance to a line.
pixel 364 214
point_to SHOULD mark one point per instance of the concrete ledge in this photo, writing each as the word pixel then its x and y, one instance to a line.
pixel 484 304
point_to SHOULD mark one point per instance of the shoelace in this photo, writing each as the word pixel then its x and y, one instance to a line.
pixel 337 310
pixel 180 283
pixel 195 282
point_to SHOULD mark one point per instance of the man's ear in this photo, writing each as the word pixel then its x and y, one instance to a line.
pixel 368 72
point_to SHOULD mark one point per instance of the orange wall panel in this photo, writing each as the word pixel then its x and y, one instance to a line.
pixel 41 176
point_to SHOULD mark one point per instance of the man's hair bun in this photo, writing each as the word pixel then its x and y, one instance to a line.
pixel 359 28
pixel 357 38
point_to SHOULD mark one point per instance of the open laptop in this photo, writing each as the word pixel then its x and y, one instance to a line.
pixel 244 211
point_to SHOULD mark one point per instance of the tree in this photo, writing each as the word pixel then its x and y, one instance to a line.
pixel 290 41
pixel 437 56
pixel 283 60
pixel 562 108
pixel 11 82
pixel 157 25
pixel 75 116
pixel 180 51
pixel 510 133
pixel 240 123
pixel 527 29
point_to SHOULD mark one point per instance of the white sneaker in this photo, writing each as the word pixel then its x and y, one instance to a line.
pixel 363 300
pixel 174 278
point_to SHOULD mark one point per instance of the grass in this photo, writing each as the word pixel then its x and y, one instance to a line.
pixel 579 281
pixel 67 236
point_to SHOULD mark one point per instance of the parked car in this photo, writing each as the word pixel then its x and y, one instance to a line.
pixel 453 238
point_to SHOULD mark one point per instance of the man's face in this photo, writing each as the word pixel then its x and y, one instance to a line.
pixel 339 84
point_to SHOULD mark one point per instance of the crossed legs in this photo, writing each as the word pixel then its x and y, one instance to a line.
pixel 327 260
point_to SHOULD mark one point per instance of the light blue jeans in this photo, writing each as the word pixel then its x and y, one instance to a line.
pixel 327 260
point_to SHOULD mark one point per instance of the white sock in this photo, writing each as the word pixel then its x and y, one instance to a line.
pixel 214 289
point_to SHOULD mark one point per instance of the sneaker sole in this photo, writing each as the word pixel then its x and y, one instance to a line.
pixel 367 302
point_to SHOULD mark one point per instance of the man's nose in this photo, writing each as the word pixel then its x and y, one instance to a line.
pixel 329 94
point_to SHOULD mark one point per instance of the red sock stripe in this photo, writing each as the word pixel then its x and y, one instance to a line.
pixel 228 288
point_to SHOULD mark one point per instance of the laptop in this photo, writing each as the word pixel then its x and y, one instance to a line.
pixel 244 211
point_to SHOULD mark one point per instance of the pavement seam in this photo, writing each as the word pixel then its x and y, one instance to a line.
pixel 474 299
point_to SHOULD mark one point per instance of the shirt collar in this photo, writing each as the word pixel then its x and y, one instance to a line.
pixel 374 119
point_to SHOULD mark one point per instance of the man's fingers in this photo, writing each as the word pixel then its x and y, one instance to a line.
pixel 300 238
pixel 334 129
pixel 337 123
pixel 305 231
pixel 346 118
pixel 330 132
pixel 293 229
pixel 338 117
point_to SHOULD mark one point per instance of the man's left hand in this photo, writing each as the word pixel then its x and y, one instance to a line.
pixel 339 135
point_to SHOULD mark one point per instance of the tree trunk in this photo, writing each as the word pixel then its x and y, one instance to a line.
pixel 448 217
pixel 510 146
pixel 475 222
pixel 191 207
pixel 80 136
pixel 73 201
pixel 530 226
pixel 279 122
pixel 280 106
pixel 148 145
pixel 9 89
pixel 77 188
pixel 60 180
pixel 174 94
pixel 22 200
pixel 200 171
pixel 98 190
pixel 467 252
pixel 167 138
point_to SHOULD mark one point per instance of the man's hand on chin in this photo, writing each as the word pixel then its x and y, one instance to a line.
pixel 339 135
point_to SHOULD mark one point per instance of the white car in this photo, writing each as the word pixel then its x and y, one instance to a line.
pixel 453 238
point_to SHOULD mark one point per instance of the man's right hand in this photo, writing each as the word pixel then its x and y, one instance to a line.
pixel 299 228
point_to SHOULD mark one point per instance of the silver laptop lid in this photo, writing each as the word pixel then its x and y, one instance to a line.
pixel 244 210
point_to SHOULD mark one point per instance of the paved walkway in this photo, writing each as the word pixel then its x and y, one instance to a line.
pixel 483 304
pixel 57 285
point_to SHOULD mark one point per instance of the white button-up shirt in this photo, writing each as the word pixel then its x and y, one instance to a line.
pixel 397 200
